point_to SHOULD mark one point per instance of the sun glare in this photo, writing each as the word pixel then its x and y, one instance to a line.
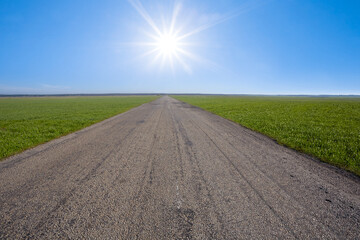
pixel 167 44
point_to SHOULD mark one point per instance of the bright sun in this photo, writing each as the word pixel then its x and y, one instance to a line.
pixel 167 44
pixel 170 44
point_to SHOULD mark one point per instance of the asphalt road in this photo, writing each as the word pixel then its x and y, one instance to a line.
pixel 167 170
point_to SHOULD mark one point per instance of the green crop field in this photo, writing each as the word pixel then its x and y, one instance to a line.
pixel 27 122
pixel 327 128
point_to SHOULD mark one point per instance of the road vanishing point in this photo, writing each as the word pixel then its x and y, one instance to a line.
pixel 168 170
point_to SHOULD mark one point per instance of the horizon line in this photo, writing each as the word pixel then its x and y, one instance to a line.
pixel 163 93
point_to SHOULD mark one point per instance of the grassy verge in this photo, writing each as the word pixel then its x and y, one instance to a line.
pixel 27 122
pixel 327 128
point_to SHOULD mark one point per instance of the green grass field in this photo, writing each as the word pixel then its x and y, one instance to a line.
pixel 27 122
pixel 327 128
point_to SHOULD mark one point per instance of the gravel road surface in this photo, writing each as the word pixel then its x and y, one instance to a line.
pixel 167 170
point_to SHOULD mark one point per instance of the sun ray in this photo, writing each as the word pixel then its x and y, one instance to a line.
pixel 245 8
pixel 196 58
pixel 176 11
pixel 149 52
pixel 142 11
pixel 171 64
pixel 168 46
pixel 183 64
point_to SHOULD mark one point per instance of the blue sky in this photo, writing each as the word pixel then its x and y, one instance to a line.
pixel 244 47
